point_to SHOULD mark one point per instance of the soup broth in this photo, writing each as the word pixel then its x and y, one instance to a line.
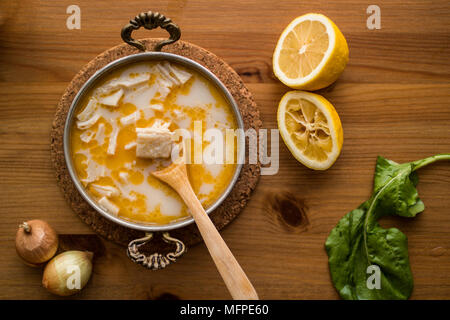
pixel 103 139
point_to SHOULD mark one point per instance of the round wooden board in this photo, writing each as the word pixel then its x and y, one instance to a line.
pixel 232 205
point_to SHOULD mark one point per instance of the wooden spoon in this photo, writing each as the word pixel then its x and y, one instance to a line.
pixel 232 274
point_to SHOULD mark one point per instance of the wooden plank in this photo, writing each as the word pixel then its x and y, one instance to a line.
pixel 283 262
pixel 405 50
pixel 392 99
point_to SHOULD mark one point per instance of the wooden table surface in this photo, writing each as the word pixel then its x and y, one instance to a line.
pixel 393 100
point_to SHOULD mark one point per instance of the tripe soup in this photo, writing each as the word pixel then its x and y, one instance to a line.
pixel 104 139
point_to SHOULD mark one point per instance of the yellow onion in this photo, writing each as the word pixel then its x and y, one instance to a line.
pixel 36 242
pixel 68 272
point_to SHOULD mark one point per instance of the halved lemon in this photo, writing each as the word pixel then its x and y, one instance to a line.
pixel 311 53
pixel 310 128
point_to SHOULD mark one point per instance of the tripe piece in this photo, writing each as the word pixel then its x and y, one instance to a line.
pixel 128 165
pixel 169 76
pixel 113 141
pixel 165 72
pixel 181 75
pixel 87 136
pixel 158 107
pixel 154 142
pixel 100 135
pixel 164 87
pixel 88 111
pixel 108 205
pixel 178 113
pixel 132 118
pixel 113 99
pixel 123 176
pixel 130 145
pixel 107 191
pixel 94 171
pixel 123 83
pixel 158 124
pixel 88 123
pixel 147 112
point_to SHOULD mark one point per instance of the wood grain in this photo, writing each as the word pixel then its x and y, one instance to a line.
pixel 392 100
pixel 231 272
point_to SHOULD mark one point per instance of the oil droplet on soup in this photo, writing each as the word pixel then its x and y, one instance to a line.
pixel 103 139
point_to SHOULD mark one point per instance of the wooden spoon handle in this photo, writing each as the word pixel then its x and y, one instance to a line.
pixel 232 274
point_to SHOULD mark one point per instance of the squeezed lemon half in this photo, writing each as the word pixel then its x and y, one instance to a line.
pixel 311 53
pixel 310 128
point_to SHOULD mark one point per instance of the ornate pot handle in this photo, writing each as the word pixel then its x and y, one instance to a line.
pixel 155 261
pixel 150 20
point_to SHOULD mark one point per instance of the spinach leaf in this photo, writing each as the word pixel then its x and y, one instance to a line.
pixel 358 241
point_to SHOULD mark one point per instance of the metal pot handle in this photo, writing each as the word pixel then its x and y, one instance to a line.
pixel 155 261
pixel 150 20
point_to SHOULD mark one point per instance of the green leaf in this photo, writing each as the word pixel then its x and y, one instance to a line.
pixel 347 261
pixel 398 183
pixel 350 255
pixel 388 249
pixel 358 241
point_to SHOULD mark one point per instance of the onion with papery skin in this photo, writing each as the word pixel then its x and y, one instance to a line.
pixel 36 242
pixel 68 272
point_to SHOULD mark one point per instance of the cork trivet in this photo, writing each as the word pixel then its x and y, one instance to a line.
pixel 230 207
